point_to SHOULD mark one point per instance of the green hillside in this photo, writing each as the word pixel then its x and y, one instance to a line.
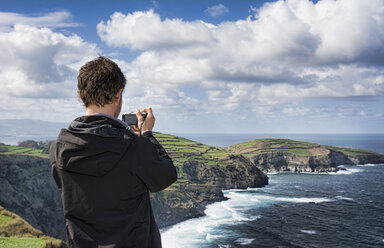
pixel 16 232
pixel 20 150
pixel 300 148
pixel 182 150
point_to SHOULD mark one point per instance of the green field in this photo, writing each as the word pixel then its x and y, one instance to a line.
pixel 11 242
pixel 16 232
pixel 299 148
pixel 19 150
pixel 254 147
pixel 182 150
pixel 351 151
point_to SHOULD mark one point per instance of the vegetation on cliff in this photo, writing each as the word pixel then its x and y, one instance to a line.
pixel 16 232
pixel 271 155
pixel 23 150
pixel 203 172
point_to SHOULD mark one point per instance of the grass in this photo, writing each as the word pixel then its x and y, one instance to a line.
pixel 254 147
pixel 16 232
pixel 182 150
pixel 351 151
pixel 300 148
pixel 4 219
pixel 19 150
pixel 11 242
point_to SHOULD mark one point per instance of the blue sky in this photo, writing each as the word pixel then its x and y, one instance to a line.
pixel 294 66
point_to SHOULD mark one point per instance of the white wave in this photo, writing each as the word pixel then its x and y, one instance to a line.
pixel 200 232
pixel 308 231
pixel 255 189
pixel 304 199
pixel 345 171
pixel 183 233
pixel 211 236
pixel 366 165
pixel 273 173
pixel 235 190
pixel 344 198
pixel 244 241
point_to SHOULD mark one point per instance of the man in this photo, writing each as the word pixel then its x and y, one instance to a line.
pixel 104 170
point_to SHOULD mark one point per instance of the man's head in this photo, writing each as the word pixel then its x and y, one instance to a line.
pixel 99 82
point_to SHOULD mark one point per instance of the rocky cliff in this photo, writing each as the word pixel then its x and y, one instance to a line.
pixel 273 155
pixel 203 171
pixel 27 187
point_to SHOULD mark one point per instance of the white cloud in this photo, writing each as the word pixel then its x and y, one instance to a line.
pixel 38 70
pixel 287 50
pixel 267 65
pixel 145 30
pixel 58 19
pixel 217 10
pixel 35 61
pixel 296 111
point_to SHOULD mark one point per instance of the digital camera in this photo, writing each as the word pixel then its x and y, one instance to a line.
pixel 131 118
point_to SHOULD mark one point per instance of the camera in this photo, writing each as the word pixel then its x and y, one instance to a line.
pixel 131 118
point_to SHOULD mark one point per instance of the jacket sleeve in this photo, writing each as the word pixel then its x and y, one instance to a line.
pixel 52 157
pixel 156 168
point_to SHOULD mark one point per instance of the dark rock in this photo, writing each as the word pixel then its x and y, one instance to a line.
pixel 287 161
pixel 28 189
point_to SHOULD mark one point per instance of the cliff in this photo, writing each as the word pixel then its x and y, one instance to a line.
pixel 27 187
pixel 203 172
pixel 16 232
pixel 273 155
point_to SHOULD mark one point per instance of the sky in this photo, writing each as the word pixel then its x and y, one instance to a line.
pixel 294 66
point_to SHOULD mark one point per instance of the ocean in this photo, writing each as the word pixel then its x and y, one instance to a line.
pixel 343 209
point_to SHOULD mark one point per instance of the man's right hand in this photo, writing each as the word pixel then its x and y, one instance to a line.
pixel 149 121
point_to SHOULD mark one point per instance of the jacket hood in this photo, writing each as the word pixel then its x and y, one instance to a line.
pixel 92 145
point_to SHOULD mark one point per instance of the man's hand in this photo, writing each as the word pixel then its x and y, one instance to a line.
pixel 147 124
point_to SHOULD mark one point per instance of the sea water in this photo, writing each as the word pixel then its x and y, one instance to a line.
pixel 343 209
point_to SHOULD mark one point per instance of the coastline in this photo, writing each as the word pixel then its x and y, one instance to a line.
pixel 220 216
pixel 204 172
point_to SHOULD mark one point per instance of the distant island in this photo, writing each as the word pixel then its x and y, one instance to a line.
pixel 204 171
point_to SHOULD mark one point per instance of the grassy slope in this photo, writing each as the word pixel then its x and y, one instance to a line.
pixel 19 150
pixel 16 232
pixel 181 150
pixel 300 148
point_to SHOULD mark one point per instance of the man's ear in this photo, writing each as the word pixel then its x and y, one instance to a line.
pixel 118 95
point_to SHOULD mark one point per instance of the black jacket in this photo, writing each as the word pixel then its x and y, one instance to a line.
pixel 104 174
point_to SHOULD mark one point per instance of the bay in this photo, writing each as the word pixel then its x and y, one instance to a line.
pixel 343 209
